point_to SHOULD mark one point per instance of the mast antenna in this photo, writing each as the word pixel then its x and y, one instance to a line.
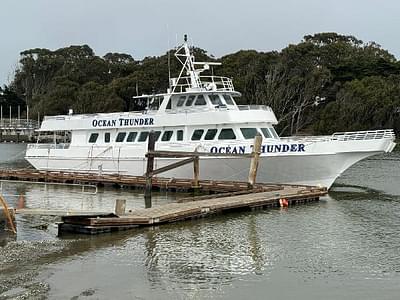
pixel 169 59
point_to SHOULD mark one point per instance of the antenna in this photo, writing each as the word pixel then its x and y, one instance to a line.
pixel 169 59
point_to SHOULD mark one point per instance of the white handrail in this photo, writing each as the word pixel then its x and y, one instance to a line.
pixel 364 135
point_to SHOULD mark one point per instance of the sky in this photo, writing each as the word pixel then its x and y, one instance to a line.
pixel 150 27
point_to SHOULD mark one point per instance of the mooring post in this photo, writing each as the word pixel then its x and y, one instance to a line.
pixel 120 206
pixel 150 166
pixel 196 174
pixel 254 161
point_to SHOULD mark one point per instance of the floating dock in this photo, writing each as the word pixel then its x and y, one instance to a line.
pixel 196 208
pixel 222 197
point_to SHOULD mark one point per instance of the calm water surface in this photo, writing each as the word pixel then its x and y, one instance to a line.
pixel 347 246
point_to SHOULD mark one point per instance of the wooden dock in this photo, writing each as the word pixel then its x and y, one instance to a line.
pixel 223 196
pixel 196 208
pixel 161 183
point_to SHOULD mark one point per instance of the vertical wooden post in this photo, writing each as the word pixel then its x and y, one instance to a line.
pixel 120 206
pixel 254 161
pixel 150 166
pixel 196 172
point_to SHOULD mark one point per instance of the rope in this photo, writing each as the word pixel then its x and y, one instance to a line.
pixel 7 214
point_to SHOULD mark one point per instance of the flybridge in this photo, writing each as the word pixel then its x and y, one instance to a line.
pixel 121 122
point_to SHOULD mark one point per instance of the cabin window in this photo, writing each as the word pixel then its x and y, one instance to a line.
pixel 179 135
pixel 169 104
pixel 181 101
pixel 266 133
pixel 93 138
pixel 167 135
pixel 200 100
pixel 155 102
pixel 143 136
pixel 275 135
pixel 249 133
pixel 131 137
pixel 120 137
pixel 215 100
pixel 228 100
pixel 210 135
pixel 227 134
pixel 107 137
pixel 197 134
pixel 190 100
pixel 157 134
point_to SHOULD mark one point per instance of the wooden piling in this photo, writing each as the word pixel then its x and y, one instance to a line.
pixel 120 206
pixel 150 166
pixel 254 160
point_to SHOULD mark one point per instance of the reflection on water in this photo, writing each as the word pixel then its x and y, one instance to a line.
pixel 345 246
pixel 12 156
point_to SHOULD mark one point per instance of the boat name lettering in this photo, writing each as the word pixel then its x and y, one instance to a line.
pixel 264 149
pixel 123 122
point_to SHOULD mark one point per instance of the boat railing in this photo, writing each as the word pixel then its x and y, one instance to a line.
pixel 208 83
pixel 364 135
pixel 254 107
pixel 48 146
pixel 346 136
pixel 310 139
pixel 18 124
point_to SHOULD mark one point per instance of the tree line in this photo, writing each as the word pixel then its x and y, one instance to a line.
pixel 326 83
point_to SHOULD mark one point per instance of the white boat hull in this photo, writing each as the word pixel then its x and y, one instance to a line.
pixel 318 165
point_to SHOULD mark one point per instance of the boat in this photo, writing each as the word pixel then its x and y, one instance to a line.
pixel 200 113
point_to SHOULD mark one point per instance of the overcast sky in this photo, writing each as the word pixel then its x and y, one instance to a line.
pixel 144 28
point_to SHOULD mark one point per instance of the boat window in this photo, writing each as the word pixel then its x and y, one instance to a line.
pixel 266 133
pixel 200 100
pixel 120 137
pixel 179 135
pixel 227 134
pixel 131 137
pixel 155 102
pixel 167 135
pixel 215 100
pixel 169 104
pixel 93 137
pixel 181 101
pixel 229 100
pixel 143 136
pixel 107 137
pixel 157 134
pixel 197 134
pixel 249 133
pixel 275 135
pixel 210 135
pixel 189 101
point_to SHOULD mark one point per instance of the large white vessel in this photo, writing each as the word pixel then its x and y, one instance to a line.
pixel 200 113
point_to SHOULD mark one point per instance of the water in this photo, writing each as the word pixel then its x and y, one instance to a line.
pixel 345 246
